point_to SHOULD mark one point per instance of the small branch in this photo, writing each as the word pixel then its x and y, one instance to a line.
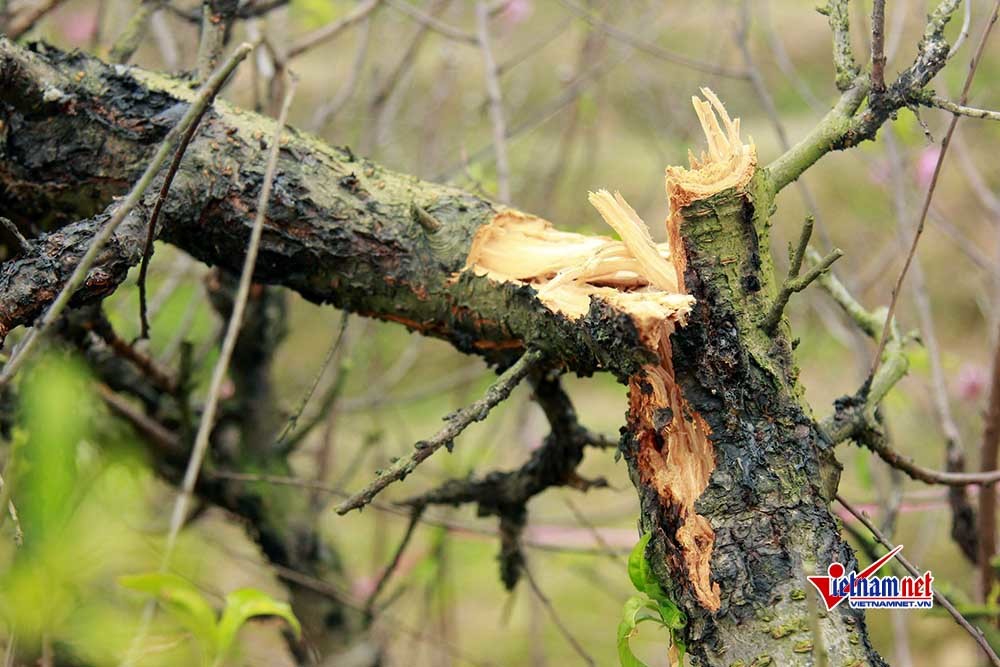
pixel 217 18
pixel 26 19
pixel 838 15
pixel 988 497
pixel 457 422
pixel 554 615
pixel 432 22
pixel 628 38
pixel 415 514
pixel 79 274
pixel 878 48
pixel 794 282
pixel 867 321
pixel 938 598
pixel 875 440
pixel 134 32
pixel 496 102
pixel 960 110
pixel 147 251
pixel 330 31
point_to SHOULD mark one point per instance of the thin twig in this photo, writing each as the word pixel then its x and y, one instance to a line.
pixel 649 48
pixel 217 17
pixel 293 420
pixel 26 19
pixel 205 426
pixel 878 48
pixel 415 515
pixel 457 422
pixel 79 274
pixel 331 30
pixel 554 615
pixel 963 99
pixel 988 496
pixel 134 32
pixel 207 423
pixel 432 22
pixel 496 102
pixel 909 567
pixel 971 112
pixel 794 282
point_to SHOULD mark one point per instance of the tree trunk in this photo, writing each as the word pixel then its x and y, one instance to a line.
pixel 733 474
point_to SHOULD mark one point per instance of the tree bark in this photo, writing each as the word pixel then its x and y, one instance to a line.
pixel 343 230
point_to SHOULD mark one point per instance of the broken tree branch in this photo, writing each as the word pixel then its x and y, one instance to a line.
pixel 83 267
pixel 457 422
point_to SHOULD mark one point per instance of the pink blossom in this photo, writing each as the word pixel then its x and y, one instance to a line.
pixel 970 382
pixel 78 27
pixel 517 11
pixel 926 164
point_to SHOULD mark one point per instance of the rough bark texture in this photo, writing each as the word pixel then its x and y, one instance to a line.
pixel 343 230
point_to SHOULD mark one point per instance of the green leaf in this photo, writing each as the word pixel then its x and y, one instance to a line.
pixel 670 613
pixel 181 599
pixel 631 617
pixel 244 604
pixel 638 567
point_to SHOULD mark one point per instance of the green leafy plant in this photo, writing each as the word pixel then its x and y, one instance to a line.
pixel 652 604
pixel 189 607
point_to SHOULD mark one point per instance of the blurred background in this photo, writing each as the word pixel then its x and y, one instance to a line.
pixel 593 94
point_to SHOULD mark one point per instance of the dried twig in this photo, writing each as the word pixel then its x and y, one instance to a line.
pixel 496 102
pixel 200 447
pixel 415 515
pixel 330 31
pixel 554 615
pixel 962 110
pixel 204 97
pixel 217 18
pixel 434 23
pixel 649 48
pixel 988 497
pixel 878 48
pixel 938 598
pixel 457 422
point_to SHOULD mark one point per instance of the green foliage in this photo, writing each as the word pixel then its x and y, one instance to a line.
pixel 652 605
pixel 190 608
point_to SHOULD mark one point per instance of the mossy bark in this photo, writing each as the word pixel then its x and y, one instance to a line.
pixel 766 499
pixel 343 230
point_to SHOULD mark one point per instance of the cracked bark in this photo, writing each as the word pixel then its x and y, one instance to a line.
pixel 343 230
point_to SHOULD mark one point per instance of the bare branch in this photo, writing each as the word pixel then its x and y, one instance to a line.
pixel 958 109
pixel 415 515
pixel 878 48
pixel 988 452
pixel 457 422
pixel 918 232
pixel 134 32
pixel 837 12
pixel 328 32
pixel 434 23
pixel 650 48
pixel 496 102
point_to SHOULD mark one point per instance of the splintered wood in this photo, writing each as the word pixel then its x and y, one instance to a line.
pixel 645 280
